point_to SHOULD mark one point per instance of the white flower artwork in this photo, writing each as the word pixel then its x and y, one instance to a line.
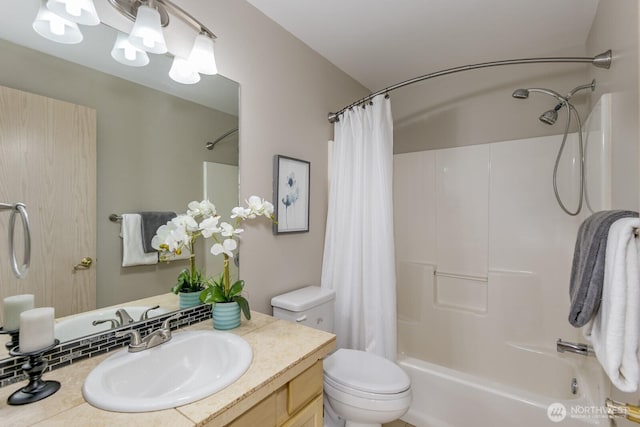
pixel 291 195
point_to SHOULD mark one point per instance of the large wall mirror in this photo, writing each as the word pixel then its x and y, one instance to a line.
pixel 152 154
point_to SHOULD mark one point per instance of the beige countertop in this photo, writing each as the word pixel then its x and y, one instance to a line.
pixel 281 351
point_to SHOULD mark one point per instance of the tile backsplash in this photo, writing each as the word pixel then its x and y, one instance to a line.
pixel 70 352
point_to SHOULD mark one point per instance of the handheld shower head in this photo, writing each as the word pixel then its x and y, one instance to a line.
pixel 520 93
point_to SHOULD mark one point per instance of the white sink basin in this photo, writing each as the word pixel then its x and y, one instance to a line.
pixel 193 365
pixel 81 325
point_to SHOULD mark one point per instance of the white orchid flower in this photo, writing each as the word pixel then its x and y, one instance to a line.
pixel 227 247
pixel 204 208
pixel 255 206
pixel 185 222
pixel 209 226
pixel 259 207
pixel 170 238
pixel 268 209
pixel 227 229
pixel 240 212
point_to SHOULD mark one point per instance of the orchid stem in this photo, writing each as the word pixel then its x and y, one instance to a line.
pixel 226 274
pixel 192 261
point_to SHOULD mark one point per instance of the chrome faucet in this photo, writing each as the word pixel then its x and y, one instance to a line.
pixel 153 339
pixel 124 317
pixel 578 348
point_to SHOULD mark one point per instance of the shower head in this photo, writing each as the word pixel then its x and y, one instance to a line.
pixel 520 93
pixel 550 117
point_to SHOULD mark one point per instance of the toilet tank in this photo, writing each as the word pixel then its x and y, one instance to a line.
pixel 310 306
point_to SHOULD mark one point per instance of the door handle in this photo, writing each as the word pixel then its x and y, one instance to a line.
pixel 85 264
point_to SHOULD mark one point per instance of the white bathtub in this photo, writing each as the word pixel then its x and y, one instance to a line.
pixel 443 397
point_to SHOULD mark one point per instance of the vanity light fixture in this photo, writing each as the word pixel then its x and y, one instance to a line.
pixel 182 71
pixel 57 21
pixel 56 28
pixel 78 11
pixel 126 53
pixel 147 31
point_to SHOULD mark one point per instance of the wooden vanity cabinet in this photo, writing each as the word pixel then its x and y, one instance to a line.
pixel 296 404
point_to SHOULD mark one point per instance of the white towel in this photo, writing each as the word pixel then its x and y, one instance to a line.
pixel 132 250
pixel 615 330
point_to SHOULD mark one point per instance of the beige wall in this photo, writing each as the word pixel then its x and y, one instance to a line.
pixel 477 107
pixel 150 151
pixel 286 91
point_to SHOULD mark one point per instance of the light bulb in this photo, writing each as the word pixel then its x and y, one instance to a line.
pixel 183 72
pixel 55 28
pixel 147 31
pixel 78 11
pixel 126 53
pixel 202 56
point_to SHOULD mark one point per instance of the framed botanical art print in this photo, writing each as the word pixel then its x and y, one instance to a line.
pixel 291 195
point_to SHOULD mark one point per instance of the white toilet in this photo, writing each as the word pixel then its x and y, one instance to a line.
pixel 360 389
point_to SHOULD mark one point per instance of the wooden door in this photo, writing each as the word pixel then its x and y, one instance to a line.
pixel 48 162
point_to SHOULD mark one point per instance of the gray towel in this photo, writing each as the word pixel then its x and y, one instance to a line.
pixel 150 223
pixel 587 270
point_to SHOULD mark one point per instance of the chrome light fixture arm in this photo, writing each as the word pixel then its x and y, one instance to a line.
pixel 129 9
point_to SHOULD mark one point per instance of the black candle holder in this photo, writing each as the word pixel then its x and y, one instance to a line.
pixel 14 337
pixel 34 367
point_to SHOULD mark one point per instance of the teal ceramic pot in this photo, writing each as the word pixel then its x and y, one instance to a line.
pixel 189 299
pixel 226 315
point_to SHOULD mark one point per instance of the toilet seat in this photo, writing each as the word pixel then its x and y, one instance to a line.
pixel 365 374
pixel 330 384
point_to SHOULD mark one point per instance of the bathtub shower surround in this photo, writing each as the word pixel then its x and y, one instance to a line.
pixel 483 276
pixel 358 259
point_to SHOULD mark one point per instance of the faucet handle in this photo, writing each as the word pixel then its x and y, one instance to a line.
pixel 114 322
pixel 145 315
pixel 166 323
pixel 135 336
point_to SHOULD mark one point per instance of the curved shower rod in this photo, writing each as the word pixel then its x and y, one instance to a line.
pixel 602 60
pixel 211 145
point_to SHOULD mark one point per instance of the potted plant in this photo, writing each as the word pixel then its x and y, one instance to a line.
pixel 226 298
pixel 188 287
pixel 225 302
pixel 202 219
pixel 177 236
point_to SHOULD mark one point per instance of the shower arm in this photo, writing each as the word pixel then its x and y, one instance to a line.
pixel 602 60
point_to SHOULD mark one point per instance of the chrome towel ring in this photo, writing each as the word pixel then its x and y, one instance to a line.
pixel 19 209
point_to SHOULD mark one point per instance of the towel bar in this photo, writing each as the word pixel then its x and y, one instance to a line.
pixel 115 218
pixel 618 409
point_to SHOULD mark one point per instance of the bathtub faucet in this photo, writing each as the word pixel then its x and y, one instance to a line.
pixel 578 348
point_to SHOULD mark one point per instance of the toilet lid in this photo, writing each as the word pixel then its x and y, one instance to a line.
pixel 365 372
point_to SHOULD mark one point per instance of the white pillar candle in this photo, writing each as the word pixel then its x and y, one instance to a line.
pixel 36 329
pixel 13 306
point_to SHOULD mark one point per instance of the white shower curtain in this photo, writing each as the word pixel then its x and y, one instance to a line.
pixel 359 256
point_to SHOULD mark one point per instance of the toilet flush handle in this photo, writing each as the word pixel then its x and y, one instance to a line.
pixel 301 318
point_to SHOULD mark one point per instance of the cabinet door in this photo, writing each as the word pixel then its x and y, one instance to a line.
pixel 309 416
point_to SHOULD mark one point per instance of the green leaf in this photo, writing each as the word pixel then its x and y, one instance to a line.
pixel 236 289
pixel 218 295
pixel 244 305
